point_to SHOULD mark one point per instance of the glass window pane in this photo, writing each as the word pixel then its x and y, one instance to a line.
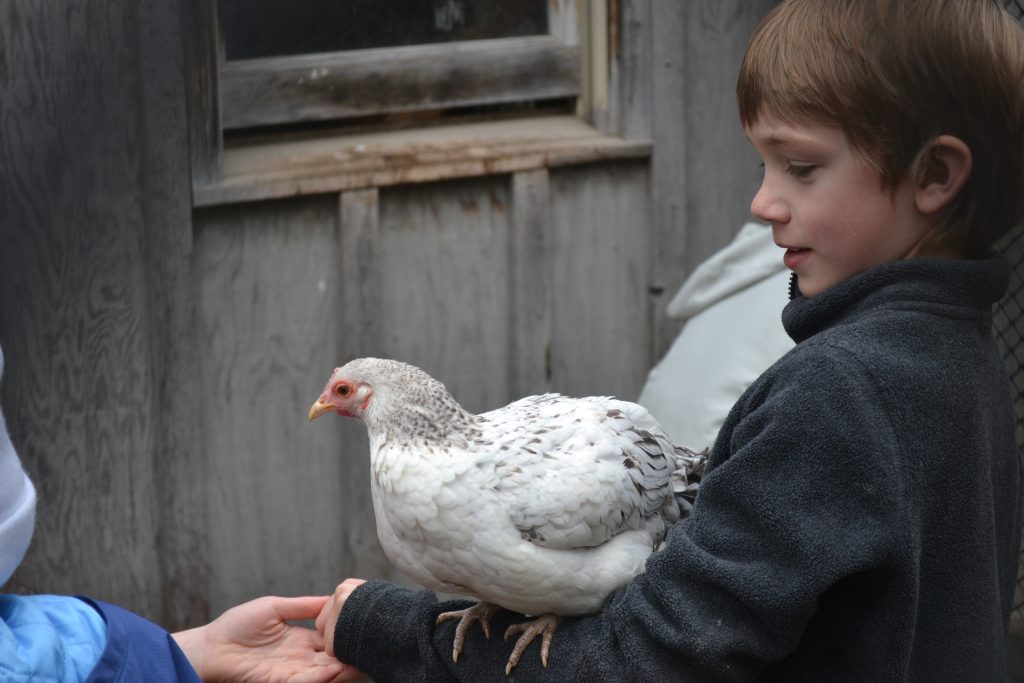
pixel 266 28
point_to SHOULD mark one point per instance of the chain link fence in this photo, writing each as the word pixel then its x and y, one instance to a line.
pixel 1009 330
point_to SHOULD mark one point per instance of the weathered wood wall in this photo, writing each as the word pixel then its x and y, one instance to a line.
pixel 94 321
pixel 160 360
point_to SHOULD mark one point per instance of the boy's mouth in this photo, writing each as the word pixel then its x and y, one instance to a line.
pixel 794 256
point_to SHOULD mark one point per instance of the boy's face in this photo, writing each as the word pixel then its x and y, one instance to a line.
pixel 827 208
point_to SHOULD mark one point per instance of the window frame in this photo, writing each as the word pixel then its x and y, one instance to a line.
pixel 300 88
pixel 573 60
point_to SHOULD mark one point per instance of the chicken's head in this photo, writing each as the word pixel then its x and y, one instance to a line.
pixel 342 395
pixel 391 397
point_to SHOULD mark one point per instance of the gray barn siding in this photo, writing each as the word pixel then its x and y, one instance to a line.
pixel 93 166
pixel 160 360
pixel 266 285
pixel 273 322
pixel 704 171
pixel 600 239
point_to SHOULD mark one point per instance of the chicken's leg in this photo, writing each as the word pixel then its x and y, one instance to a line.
pixel 481 611
pixel 544 625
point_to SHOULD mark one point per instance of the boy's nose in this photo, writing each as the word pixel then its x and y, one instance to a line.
pixel 768 207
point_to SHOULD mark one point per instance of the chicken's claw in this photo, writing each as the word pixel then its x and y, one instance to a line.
pixel 544 625
pixel 481 611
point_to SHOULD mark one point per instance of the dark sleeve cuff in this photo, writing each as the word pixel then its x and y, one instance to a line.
pixel 380 631
pixel 388 633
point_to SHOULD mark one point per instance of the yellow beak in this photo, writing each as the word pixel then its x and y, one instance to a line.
pixel 318 409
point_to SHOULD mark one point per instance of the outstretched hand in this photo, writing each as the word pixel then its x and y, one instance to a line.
pixel 255 642
pixel 328 619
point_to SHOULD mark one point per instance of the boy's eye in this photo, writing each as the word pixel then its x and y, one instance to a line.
pixel 800 170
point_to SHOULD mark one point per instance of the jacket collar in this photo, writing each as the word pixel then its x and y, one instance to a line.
pixel 968 284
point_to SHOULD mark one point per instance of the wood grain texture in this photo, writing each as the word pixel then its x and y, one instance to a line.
pixel 339 85
pixel 178 451
pixel 530 295
pixel 342 162
pixel 442 298
pixel 78 391
pixel 723 172
pixel 635 78
pixel 669 180
pixel 267 287
pixel 204 57
pixel 599 270
pixel 704 171
pixel 357 331
pixel 360 276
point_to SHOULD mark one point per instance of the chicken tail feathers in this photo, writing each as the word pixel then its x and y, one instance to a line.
pixel 688 470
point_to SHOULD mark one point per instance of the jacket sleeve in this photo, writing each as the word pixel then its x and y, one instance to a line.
pixel 48 638
pixel 138 650
pixel 802 491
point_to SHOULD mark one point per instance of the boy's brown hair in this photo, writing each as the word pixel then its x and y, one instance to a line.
pixel 894 75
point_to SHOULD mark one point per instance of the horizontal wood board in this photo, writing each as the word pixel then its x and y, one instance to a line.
pixel 341 85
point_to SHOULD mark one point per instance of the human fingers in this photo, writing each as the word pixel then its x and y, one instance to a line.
pixel 305 607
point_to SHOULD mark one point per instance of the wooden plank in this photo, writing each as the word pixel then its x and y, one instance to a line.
pixel 77 390
pixel 267 286
pixel 359 328
pixel 705 172
pixel 723 167
pixel 669 182
pixel 338 85
pixel 358 233
pixel 599 260
pixel 205 56
pixel 634 84
pixel 563 21
pixel 598 105
pixel 348 162
pixel 177 448
pixel 442 297
pixel 529 289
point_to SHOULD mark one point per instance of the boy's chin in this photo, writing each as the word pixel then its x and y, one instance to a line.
pixel 810 286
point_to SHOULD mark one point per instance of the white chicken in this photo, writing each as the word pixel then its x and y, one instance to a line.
pixel 542 507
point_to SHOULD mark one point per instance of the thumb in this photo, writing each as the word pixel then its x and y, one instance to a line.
pixel 307 607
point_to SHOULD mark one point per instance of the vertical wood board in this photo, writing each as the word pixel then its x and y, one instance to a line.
pixel 178 453
pixel 442 293
pixel 722 173
pixel 599 271
pixel 77 388
pixel 267 282
pixel 358 328
pixel 530 296
pixel 704 171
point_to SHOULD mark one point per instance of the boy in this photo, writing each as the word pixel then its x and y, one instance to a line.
pixel 860 515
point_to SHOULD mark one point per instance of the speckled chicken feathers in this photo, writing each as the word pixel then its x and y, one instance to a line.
pixel 545 505
pixel 574 473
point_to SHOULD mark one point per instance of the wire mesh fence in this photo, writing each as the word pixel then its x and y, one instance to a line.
pixel 1008 317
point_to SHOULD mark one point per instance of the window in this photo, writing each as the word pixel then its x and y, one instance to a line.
pixel 320 60
pixel 270 28
pixel 266 72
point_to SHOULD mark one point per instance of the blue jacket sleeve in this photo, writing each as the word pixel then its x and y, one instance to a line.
pixel 48 638
pixel 138 650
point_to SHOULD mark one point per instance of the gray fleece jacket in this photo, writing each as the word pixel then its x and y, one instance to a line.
pixel 859 519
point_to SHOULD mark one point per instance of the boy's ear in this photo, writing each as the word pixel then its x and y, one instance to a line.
pixel 946 167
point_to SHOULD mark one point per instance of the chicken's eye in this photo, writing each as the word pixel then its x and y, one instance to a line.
pixel 343 390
